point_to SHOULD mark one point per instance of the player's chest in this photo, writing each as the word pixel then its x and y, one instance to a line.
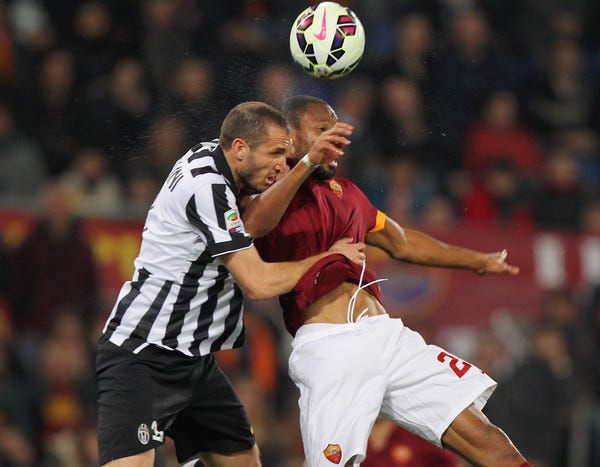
pixel 326 208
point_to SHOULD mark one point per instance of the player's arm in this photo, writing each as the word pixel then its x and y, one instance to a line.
pixel 261 213
pixel 416 247
pixel 260 280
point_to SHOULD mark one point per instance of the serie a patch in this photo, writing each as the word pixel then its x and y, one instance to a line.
pixel 233 221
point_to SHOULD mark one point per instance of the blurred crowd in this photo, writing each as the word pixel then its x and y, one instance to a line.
pixel 465 113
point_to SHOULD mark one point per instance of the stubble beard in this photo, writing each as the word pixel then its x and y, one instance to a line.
pixel 323 173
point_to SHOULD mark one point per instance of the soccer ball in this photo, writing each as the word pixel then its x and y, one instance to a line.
pixel 327 40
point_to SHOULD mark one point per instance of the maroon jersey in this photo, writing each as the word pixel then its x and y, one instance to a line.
pixel 320 213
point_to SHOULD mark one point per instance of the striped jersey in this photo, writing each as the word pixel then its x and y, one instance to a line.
pixel 181 296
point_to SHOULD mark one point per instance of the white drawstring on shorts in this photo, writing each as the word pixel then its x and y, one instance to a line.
pixel 352 302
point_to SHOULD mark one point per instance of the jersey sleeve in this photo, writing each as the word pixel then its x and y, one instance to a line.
pixel 373 217
pixel 214 212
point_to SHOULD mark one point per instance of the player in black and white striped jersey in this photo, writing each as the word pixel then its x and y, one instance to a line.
pixel 155 370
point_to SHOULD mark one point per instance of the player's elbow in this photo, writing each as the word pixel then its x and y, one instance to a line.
pixel 254 293
pixel 256 290
pixel 399 253
pixel 256 231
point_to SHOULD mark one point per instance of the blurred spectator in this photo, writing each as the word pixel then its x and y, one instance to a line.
pixel 94 190
pixel 401 122
pixel 390 445
pixel 590 218
pixel 165 41
pixel 258 358
pixel 54 117
pixel 29 24
pixel 561 309
pixel 409 189
pixel 498 135
pixel 67 391
pixel 18 430
pixel 499 197
pixel 93 47
pixel 22 167
pixel 119 107
pixel 32 35
pixel 192 100
pixel 438 213
pixel 244 48
pixel 53 267
pixel 413 45
pixel 354 99
pixel 561 99
pixel 538 22
pixel 537 420
pixel 165 144
pixel 493 357
pixel 274 84
pixel 141 188
pixel 74 448
pixel 464 73
pixel 560 196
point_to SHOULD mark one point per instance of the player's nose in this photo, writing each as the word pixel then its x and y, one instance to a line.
pixel 281 165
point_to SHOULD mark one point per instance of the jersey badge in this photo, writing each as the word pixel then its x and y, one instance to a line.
pixel 143 434
pixel 233 222
pixel 333 453
pixel 336 188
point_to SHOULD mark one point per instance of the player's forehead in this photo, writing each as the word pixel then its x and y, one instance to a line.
pixel 321 113
pixel 277 137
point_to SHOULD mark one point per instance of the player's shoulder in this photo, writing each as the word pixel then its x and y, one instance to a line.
pixel 203 162
pixel 347 183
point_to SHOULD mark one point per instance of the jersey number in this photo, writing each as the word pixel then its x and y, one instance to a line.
pixel 460 367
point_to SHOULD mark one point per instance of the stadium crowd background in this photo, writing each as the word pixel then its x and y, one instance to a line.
pixel 465 113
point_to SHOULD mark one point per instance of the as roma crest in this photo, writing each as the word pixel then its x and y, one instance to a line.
pixel 336 188
pixel 333 453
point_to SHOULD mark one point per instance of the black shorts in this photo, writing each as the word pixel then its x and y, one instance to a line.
pixel 143 398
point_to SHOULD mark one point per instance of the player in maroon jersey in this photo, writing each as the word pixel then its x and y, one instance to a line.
pixel 350 359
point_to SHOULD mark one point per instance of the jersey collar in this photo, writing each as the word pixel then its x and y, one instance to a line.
pixel 223 168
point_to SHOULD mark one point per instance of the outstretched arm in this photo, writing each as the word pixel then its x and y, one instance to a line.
pixel 416 247
pixel 261 213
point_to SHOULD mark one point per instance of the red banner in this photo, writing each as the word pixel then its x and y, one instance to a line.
pixel 442 297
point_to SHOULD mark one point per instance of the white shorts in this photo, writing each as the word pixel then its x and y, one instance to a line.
pixel 350 373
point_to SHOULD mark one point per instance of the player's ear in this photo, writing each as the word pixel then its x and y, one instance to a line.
pixel 240 149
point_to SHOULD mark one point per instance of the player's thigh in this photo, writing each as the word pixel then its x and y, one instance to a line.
pixel 341 383
pixel 126 419
pixel 428 387
pixel 248 458
pixel 215 420
pixel 145 459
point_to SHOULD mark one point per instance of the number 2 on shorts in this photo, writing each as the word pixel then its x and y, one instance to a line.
pixel 455 364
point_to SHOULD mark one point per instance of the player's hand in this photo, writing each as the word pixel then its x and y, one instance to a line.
pixel 495 264
pixel 330 144
pixel 352 251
